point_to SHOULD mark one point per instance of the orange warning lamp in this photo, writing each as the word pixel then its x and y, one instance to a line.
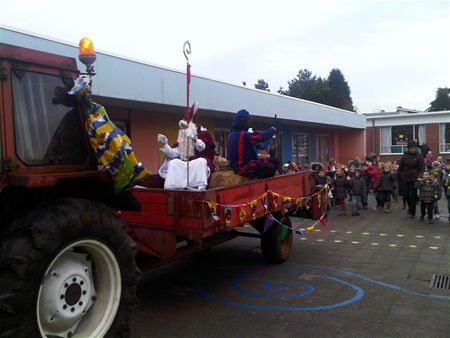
pixel 87 55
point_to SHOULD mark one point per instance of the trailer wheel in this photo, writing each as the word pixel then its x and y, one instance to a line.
pixel 275 250
pixel 69 272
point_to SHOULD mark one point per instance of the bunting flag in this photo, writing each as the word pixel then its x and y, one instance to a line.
pixel 252 206
pixel 283 232
pixel 299 232
pixel 213 208
pixel 307 202
pixel 242 214
pixel 264 201
pixel 227 213
pixel 275 198
pixel 287 203
pixel 268 222
pixel 299 202
pixel 319 199
pixel 323 220
pixel 311 228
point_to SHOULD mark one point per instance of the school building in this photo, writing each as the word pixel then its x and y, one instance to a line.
pixel 145 99
pixel 389 132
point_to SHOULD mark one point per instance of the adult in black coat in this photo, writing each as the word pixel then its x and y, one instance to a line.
pixel 410 168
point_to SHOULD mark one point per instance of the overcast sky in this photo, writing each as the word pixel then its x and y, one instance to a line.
pixel 392 53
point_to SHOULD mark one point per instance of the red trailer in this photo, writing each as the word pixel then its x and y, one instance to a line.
pixel 175 223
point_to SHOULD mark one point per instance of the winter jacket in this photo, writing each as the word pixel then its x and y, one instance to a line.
pixel 427 190
pixel 386 182
pixel 340 187
pixel 375 173
pixel 357 186
pixel 411 166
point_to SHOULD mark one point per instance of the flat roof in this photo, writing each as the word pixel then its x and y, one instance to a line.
pixel 133 80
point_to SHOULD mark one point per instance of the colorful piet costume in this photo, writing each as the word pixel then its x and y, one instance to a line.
pixel 242 148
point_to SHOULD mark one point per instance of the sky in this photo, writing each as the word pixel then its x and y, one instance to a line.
pixel 392 53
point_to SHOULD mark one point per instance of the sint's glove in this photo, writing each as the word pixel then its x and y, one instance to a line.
pixel 189 133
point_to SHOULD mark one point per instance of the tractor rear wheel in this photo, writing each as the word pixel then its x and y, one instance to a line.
pixel 69 272
pixel 274 248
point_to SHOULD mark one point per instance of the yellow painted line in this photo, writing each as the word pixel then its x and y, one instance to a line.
pixel 319 240
pixel 355 242
pixel 337 241
pixel 348 232
pixel 419 236
pixel 383 234
pixel 437 237
pixel 366 233
pixel 400 235
pixel 374 243
pixel 434 247
pixel 392 245
pixel 412 246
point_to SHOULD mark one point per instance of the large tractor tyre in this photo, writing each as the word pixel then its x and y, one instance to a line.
pixel 69 272
pixel 276 249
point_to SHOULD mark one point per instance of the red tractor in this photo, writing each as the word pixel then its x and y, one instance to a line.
pixel 67 261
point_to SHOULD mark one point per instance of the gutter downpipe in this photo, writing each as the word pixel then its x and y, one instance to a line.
pixel 373 136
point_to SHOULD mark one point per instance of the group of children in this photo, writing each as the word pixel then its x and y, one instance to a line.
pixel 354 183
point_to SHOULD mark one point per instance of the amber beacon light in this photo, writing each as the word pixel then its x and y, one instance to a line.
pixel 87 55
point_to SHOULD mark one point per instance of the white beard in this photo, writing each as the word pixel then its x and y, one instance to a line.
pixel 186 147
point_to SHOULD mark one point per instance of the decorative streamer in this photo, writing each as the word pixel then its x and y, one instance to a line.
pixel 275 198
pixel 268 222
pixel 213 208
pixel 227 212
pixel 242 214
pixel 287 203
pixel 252 206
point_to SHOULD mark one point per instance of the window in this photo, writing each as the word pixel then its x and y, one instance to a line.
pixel 444 138
pixel 46 131
pixel 300 149
pixel 394 140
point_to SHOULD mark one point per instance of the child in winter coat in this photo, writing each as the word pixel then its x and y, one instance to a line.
pixel 445 180
pixel 437 184
pixel 385 187
pixel 395 192
pixel 358 188
pixel 428 194
pixel 365 176
pixel 340 184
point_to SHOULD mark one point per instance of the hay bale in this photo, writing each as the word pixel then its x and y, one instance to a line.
pixel 225 178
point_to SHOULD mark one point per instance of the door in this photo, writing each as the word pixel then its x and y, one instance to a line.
pixel 322 142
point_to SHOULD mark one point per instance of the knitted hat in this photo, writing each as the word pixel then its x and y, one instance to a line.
pixel 412 143
pixel 241 116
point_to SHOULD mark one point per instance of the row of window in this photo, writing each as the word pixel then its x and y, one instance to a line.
pixel 394 139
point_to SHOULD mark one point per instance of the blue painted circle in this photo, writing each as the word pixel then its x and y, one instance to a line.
pixel 309 289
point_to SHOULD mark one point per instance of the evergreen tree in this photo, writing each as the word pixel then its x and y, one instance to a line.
pixel 263 85
pixel 339 91
pixel 442 101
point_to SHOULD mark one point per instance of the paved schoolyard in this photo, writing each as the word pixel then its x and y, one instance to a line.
pixel 366 276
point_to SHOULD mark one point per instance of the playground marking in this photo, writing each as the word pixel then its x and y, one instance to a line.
pixel 392 245
pixel 434 247
pixel 437 237
pixel 317 230
pixel 374 243
pixel 348 232
pixel 366 233
pixel 400 235
pixel 383 234
pixel 337 241
pixel 332 230
pixel 419 236
pixel 412 246
pixel 319 240
pixel 303 238
pixel 355 242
